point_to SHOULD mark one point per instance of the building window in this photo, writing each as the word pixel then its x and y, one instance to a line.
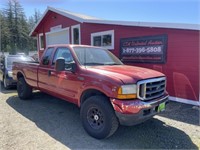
pixel 41 41
pixel 103 39
pixel 75 32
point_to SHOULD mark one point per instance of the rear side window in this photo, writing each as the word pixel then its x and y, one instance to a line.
pixel 47 56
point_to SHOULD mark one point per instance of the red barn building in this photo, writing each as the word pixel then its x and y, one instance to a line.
pixel 173 49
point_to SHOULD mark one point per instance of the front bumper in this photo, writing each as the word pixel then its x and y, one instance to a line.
pixel 131 112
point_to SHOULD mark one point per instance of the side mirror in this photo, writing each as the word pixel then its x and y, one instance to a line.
pixel 73 67
pixel 70 66
pixel 60 64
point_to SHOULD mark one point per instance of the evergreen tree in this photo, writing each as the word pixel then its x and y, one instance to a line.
pixel 15 28
pixel 18 27
pixel 4 34
pixel 9 19
pixel 33 20
pixel 37 16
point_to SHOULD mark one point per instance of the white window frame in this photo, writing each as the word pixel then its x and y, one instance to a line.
pixel 38 44
pixel 39 39
pixel 64 29
pixel 58 27
pixel 104 33
pixel 72 33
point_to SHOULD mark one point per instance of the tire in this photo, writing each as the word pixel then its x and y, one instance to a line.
pixel 98 117
pixel 5 85
pixel 23 89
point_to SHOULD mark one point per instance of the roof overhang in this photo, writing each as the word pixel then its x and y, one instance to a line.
pixel 88 19
pixel 148 24
pixel 71 16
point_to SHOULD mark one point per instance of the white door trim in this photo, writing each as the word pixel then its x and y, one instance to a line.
pixel 39 41
pixel 186 101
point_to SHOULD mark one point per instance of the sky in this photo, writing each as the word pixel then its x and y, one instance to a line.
pixel 165 11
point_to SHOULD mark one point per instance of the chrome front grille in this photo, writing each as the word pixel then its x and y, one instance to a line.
pixel 151 88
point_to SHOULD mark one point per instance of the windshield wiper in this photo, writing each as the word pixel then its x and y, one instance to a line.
pixel 112 64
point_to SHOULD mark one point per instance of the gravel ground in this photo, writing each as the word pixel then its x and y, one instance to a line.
pixel 45 122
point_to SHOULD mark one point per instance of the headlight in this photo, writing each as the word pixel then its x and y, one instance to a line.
pixel 10 74
pixel 127 91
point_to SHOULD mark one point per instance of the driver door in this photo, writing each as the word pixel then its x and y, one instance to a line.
pixel 66 84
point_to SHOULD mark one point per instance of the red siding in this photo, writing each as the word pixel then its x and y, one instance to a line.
pixel 182 66
pixel 53 19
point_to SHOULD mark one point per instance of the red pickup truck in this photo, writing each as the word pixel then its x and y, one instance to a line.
pixel 108 92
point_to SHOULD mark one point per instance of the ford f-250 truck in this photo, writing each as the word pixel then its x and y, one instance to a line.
pixel 108 92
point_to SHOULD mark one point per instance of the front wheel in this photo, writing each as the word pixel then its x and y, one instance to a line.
pixel 98 117
pixel 23 89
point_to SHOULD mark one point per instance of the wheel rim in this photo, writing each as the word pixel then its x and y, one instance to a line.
pixel 95 118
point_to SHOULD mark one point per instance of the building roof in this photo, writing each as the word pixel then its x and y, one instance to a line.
pixel 89 19
pixel 75 16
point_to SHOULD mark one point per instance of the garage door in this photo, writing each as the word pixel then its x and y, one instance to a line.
pixel 57 37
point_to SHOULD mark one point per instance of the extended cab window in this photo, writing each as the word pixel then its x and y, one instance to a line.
pixel 47 56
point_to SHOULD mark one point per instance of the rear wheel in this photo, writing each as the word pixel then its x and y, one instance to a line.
pixel 23 89
pixel 98 117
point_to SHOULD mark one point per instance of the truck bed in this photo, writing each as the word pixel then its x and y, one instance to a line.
pixel 31 69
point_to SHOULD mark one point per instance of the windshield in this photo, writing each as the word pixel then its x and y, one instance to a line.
pixel 10 60
pixel 90 56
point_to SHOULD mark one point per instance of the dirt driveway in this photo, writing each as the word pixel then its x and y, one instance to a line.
pixel 49 123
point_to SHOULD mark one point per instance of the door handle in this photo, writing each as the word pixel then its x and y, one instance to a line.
pixel 50 73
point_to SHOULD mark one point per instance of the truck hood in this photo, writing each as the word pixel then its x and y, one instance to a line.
pixel 127 74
